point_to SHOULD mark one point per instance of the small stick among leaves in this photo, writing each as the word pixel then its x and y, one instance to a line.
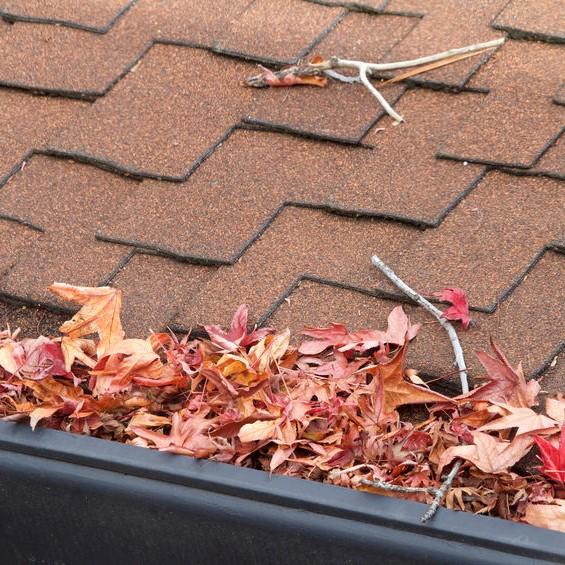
pixel 440 317
pixel 315 73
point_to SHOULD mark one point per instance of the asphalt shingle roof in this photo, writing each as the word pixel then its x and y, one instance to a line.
pixel 131 155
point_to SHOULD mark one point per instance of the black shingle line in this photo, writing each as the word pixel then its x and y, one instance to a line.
pixel 121 264
pixel 115 167
pixel 283 128
pixel 18 220
pixel 522 34
pixel 217 48
pixel 7 15
pixel 498 164
pixel 353 6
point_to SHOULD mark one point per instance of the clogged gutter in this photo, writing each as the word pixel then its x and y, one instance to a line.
pixel 331 409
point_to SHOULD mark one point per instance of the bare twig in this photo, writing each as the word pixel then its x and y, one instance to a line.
pixel 441 492
pixel 398 488
pixel 366 70
pixel 436 312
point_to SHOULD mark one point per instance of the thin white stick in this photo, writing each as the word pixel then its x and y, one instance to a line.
pixel 378 95
pixel 364 69
pixel 348 64
pixel 436 312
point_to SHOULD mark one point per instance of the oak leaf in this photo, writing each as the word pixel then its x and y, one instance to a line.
pixel 100 313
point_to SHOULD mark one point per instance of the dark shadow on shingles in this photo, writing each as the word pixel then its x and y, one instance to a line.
pixel 354 6
pixel 217 48
pixel 107 280
pixel 22 222
pixel 67 23
pixel 559 98
pixel 536 171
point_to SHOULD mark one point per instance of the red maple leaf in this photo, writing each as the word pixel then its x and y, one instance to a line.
pixel 553 458
pixel 237 334
pixel 460 307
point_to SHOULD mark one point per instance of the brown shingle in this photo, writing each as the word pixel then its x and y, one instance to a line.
pixel 70 61
pixel 28 122
pixel 231 196
pixel 510 216
pixel 299 242
pixel 518 119
pixel 447 25
pixel 278 32
pixel 523 336
pixel 545 22
pixel 340 111
pixel 402 176
pixel 191 21
pixel 488 241
pixel 552 162
pixel 94 15
pixel 162 119
pixel 319 112
pixel 67 205
pixel 154 289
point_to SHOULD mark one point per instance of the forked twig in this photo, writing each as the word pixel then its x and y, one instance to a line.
pixel 366 70
pixel 441 492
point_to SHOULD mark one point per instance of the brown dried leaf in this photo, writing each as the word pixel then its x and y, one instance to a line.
pixel 487 453
pixel 100 313
pixel 550 516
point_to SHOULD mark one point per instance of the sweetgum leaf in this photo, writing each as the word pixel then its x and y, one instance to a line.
pixel 397 390
pixel 487 453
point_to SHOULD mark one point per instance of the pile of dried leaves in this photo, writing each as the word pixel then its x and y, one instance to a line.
pixel 327 410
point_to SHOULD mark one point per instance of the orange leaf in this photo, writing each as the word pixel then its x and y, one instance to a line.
pixel 130 359
pixel 100 313
pixel 487 453
pixel 550 516
pixel 77 348
pixel 398 391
